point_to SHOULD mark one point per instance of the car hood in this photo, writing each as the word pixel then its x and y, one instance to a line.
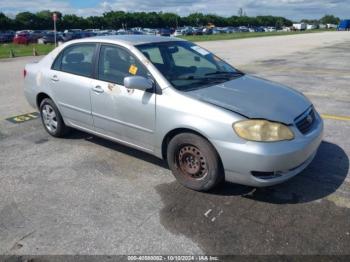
pixel 255 98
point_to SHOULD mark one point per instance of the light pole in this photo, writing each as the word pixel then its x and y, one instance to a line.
pixel 54 18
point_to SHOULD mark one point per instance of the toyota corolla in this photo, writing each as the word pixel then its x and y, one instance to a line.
pixel 175 100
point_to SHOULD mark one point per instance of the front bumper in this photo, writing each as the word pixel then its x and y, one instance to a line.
pixel 285 159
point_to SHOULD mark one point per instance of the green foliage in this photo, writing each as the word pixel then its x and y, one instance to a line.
pixel 330 19
pixel 44 18
pixel 311 21
pixel 95 22
pixel 120 19
pixel 73 21
pixel 5 22
pixel 26 20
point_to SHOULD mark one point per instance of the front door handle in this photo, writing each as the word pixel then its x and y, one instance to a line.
pixel 54 78
pixel 98 89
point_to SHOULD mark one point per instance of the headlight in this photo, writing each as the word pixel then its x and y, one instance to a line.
pixel 262 130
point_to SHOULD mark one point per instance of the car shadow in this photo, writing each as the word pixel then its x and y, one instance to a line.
pixel 283 219
pixel 321 178
pixel 76 134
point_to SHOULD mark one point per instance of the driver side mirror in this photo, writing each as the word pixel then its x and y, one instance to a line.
pixel 138 82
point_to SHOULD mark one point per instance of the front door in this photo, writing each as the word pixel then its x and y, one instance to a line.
pixel 126 115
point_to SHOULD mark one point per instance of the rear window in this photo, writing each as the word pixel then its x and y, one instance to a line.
pixel 76 60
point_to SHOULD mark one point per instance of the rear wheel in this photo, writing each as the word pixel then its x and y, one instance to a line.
pixel 194 162
pixel 52 119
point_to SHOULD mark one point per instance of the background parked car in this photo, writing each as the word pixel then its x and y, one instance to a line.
pixel 187 31
pixel 198 31
pixel 243 29
pixel 216 31
pixel 49 38
pixel 136 32
pixel 164 32
pixel 149 31
pixel 208 31
pixel 45 36
pixel 22 38
pixel 71 35
pixel 259 29
pixel 35 35
pixel 6 36
pixel 178 33
pixel 230 30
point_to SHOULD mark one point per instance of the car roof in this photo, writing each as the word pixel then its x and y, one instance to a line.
pixel 135 39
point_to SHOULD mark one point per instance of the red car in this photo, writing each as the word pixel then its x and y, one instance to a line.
pixel 21 38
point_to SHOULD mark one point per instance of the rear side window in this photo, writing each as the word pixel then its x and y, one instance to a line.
pixel 76 60
pixel 57 64
pixel 116 63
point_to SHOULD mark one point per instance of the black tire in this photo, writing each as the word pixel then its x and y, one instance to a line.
pixel 194 162
pixel 61 129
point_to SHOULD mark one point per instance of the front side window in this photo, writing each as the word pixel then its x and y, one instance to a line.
pixel 77 60
pixel 116 63
pixel 187 66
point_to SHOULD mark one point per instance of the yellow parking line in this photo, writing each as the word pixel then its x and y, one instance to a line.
pixel 334 117
pixel 23 118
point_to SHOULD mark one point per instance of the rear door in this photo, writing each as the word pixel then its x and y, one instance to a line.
pixel 71 83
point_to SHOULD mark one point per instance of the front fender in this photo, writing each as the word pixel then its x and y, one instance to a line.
pixel 177 111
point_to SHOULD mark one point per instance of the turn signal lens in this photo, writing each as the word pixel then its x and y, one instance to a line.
pixel 262 131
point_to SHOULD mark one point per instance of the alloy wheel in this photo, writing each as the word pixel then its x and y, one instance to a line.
pixel 49 118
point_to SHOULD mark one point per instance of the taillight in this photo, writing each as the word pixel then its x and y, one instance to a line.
pixel 24 73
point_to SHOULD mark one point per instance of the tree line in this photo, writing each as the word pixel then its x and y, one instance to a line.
pixel 118 19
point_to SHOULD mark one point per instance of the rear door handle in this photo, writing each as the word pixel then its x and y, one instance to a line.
pixel 98 89
pixel 54 78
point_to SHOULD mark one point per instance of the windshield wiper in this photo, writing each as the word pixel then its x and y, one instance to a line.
pixel 201 78
pixel 237 73
pixel 205 81
pixel 209 79
pixel 191 78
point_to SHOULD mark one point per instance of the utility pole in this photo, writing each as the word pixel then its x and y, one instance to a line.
pixel 54 18
pixel 240 11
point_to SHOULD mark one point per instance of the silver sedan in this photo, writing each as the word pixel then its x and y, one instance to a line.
pixel 177 101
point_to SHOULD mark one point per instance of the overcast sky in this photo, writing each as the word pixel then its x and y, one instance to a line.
pixel 293 9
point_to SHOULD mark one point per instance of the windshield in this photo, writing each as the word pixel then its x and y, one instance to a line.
pixel 187 66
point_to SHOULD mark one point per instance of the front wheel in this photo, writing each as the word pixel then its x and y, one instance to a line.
pixel 52 119
pixel 194 162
